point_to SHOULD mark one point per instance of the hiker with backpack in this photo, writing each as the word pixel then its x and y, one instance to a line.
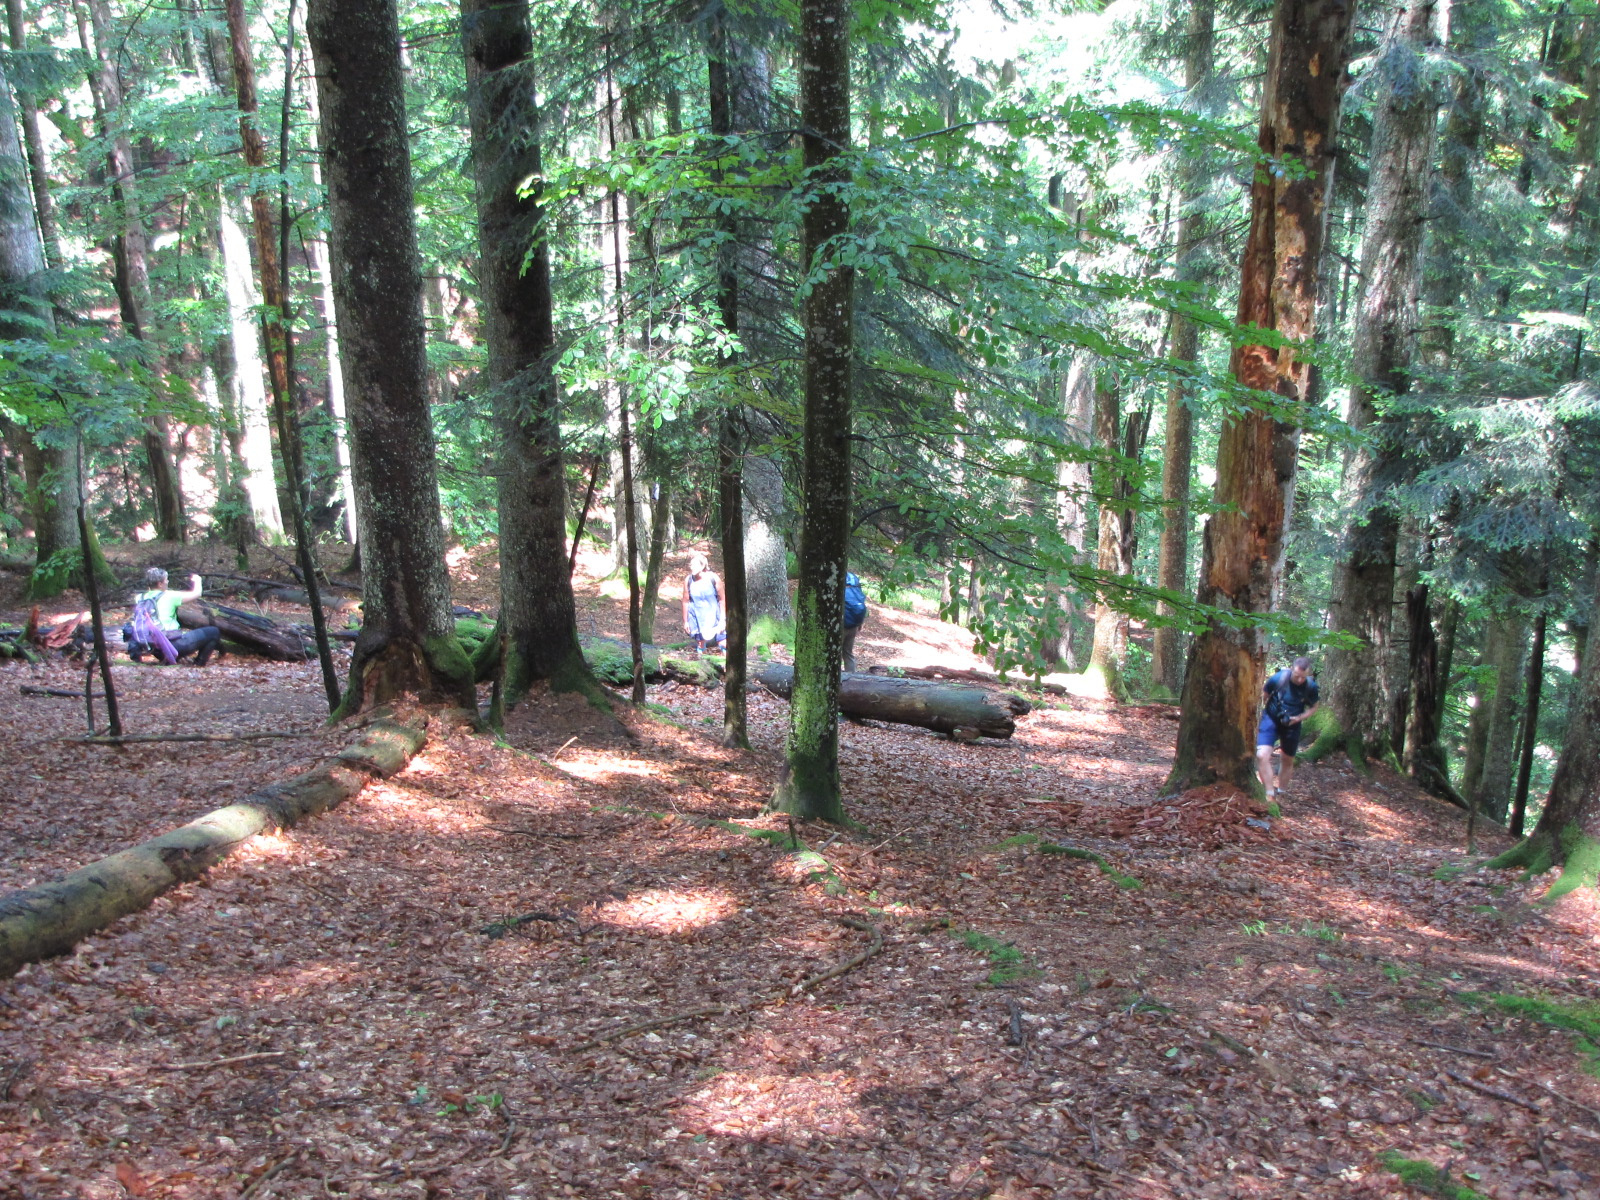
pixel 154 627
pixel 855 615
pixel 705 606
pixel 1290 696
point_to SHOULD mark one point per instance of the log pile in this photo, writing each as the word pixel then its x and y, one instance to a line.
pixel 961 710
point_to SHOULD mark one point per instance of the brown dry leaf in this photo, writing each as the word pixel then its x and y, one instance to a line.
pixel 131 1181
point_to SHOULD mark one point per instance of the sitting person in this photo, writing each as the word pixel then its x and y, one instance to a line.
pixel 154 628
pixel 705 608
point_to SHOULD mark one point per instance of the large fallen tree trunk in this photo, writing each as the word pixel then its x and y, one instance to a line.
pixel 963 675
pixel 954 708
pixel 253 632
pixel 49 919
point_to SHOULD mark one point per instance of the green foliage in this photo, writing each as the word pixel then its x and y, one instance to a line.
pixel 769 631
pixel 1010 964
pixel 1425 1176
pixel 1126 882
pixel 1581 1017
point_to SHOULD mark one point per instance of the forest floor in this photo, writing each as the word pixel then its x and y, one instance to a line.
pixel 401 998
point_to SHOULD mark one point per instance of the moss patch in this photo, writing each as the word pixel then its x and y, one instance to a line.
pixel 1414 1172
pixel 1009 963
pixel 1581 1017
pixel 1127 882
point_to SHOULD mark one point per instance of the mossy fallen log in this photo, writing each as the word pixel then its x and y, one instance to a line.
pixel 954 708
pixel 254 632
pixel 51 918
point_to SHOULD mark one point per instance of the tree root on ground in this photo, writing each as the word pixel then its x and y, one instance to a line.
pixel 729 1010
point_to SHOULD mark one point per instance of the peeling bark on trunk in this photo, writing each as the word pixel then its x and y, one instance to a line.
pixel 1384 346
pixel 1242 566
pixel 1177 465
pixel 538 618
pixel 809 786
pixel 408 641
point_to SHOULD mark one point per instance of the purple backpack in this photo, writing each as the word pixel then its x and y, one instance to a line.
pixel 147 629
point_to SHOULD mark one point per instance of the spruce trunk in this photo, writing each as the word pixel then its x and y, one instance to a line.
pixel 1384 347
pixel 1242 564
pixel 408 641
pixel 538 617
pixel 809 786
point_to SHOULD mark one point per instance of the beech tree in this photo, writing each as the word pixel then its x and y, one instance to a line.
pixel 408 641
pixel 1241 568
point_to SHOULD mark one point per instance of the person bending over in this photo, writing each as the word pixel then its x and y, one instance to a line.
pixel 1290 696
pixel 154 628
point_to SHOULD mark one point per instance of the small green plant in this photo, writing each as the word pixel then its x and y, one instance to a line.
pixel 1254 929
pixel 781 839
pixel 1009 963
pixel 1273 810
pixel 1394 972
pixel 1414 1172
pixel 1320 930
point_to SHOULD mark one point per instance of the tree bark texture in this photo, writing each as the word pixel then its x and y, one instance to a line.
pixel 766 556
pixel 131 252
pixel 1074 487
pixel 1381 360
pixel 1177 465
pixel 1120 440
pixel 1508 651
pixel 1425 758
pixel 1568 832
pixel 249 393
pixel 1242 562
pixel 1530 726
pixel 408 642
pixel 538 618
pixel 38 174
pixel 49 919
pixel 942 707
pixel 809 786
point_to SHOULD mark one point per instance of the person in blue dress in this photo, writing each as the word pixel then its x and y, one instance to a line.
pixel 705 606
pixel 1289 697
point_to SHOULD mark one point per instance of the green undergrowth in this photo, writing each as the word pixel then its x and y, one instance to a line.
pixel 769 631
pixel 1016 840
pixel 1415 1172
pixel 1312 929
pixel 1580 1017
pixel 1009 963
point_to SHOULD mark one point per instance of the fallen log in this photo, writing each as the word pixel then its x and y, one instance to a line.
pixel 611 660
pixel 963 675
pixel 50 918
pixel 954 708
pixel 253 632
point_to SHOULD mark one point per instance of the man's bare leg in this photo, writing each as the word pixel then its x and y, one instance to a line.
pixel 1285 772
pixel 1264 768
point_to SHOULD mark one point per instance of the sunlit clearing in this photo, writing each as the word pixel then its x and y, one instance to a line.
pixel 268 846
pixel 422 765
pixel 670 910
pixel 777 1106
pixel 601 767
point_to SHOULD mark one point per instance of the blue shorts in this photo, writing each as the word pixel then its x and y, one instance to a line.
pixel 1287 736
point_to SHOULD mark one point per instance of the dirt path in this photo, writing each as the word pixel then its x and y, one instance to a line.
pixel 394 1001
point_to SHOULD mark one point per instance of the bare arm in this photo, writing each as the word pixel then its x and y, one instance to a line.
pixel 194 590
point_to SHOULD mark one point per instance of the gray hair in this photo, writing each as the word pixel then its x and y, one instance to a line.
pixel 1303 663
pixel 156 577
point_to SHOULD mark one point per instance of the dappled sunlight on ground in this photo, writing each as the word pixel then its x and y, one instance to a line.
pixel 669 910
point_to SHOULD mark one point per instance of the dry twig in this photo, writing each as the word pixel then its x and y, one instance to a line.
pixel 265 1177
pixel 1495 1093
pixel 1454 1049
pixel 219 1062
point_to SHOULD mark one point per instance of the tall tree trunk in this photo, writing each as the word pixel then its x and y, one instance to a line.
pixel 408 641
pixel 1120 440
pixel 1177 468
pixel 1074 487
pixel 1242 565
pixel 1568 832
pixel 1381 360
pixel 1478 723
pixel 1508 651
pixel 660 520
pixel 766 557
pixel 809 786
pixel 38 172
pixel 49 455
pixel 1425 758
pixel 132 276
pixel 537 612
pixel 249 396
pixel 1530 725
pixel 721 67
pixel 321 263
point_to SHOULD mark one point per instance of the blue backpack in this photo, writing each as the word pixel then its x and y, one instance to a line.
pixel 855 601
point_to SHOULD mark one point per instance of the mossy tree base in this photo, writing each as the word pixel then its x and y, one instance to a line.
pixel 1574 852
